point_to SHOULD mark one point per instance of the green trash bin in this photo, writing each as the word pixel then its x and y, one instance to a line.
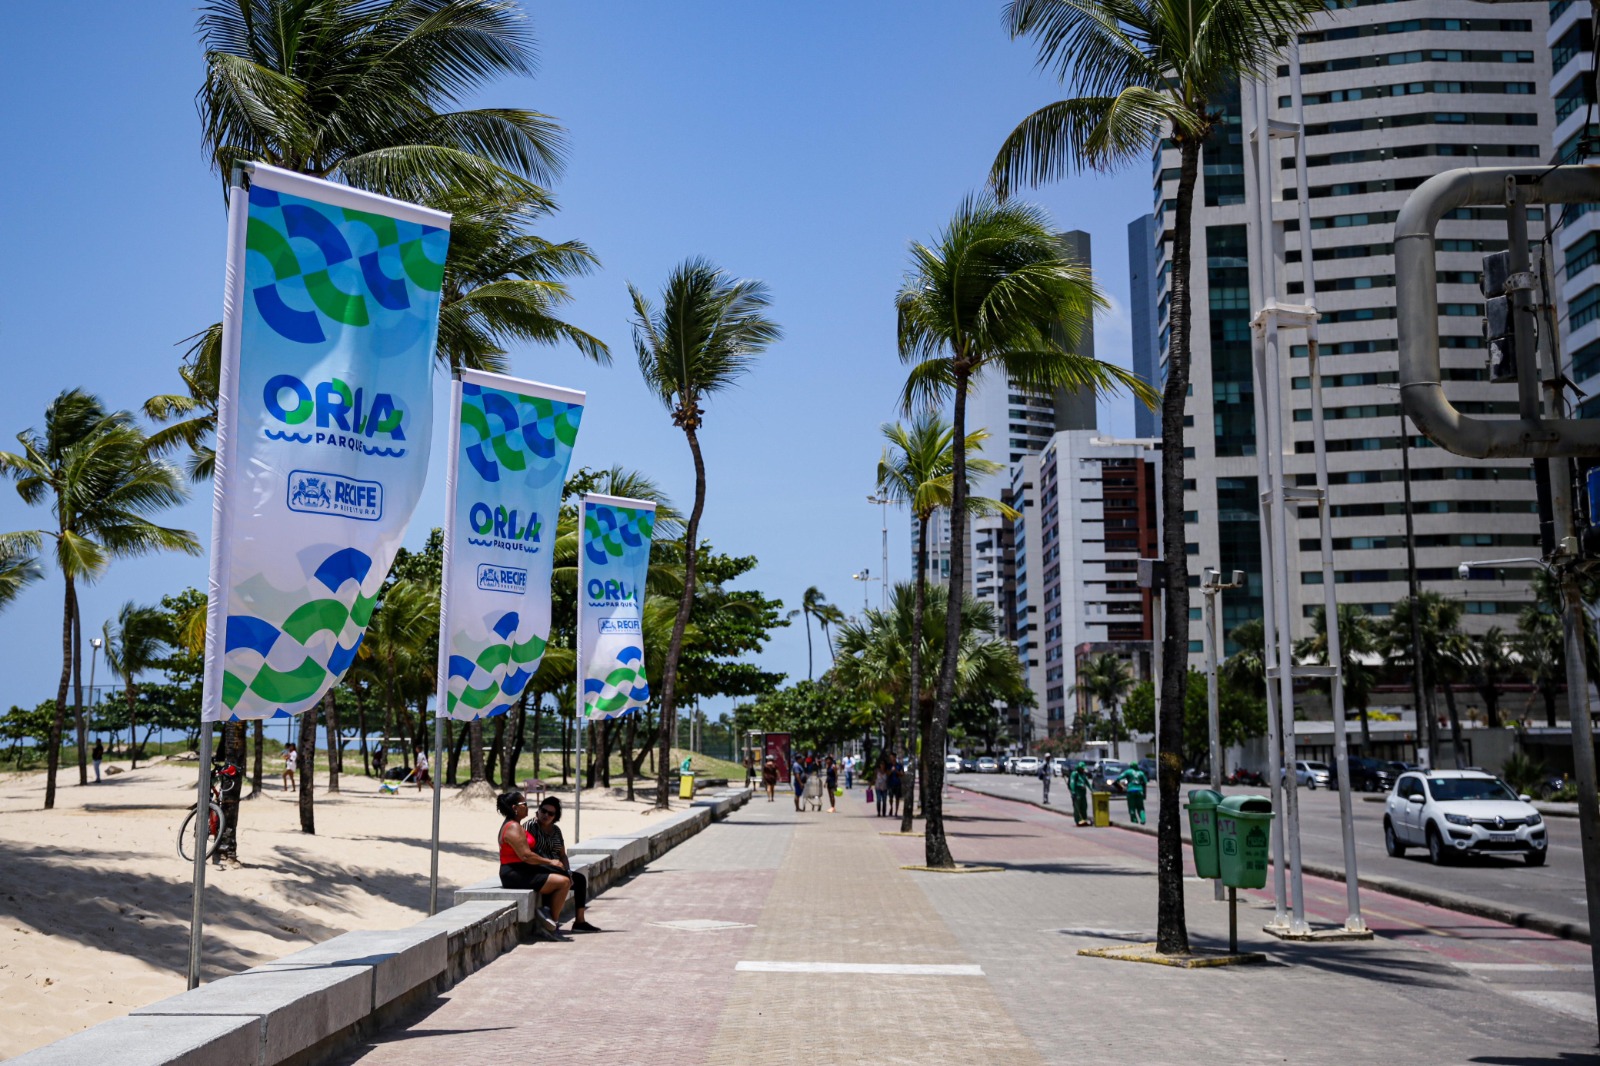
pixel 1202 808
pixel 1243 827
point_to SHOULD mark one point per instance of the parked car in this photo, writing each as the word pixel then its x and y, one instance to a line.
pixel 1105 772
pixel 1461 812
pixel 1311 775
pixel 987 765
pixel 1366 775
pixel 1025 765
pixel 969 765
pixel 952 764
pixel 1060 766
pixel 1397 768
pixel 1148 765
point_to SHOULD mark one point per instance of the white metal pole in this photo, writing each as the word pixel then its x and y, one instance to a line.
pixel 577 681
pixel 442 688
pixel 1208 588
pixel 221 548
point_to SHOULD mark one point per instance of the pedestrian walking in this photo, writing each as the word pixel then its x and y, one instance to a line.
pixel 798 773
pixel 291 759
pixel 98 755
pixel 894 790
pixel 831 779
pixel 849 772
pixel 880 785
pixel 1136 780
pixel 1078 785
pixel 1044 777
pixel 769 777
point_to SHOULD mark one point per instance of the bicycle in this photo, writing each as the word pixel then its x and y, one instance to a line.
pixel 225 777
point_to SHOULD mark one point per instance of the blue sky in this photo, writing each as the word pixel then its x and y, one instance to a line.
pixel 803 144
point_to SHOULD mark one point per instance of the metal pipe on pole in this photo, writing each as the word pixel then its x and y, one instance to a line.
pixel 1211 585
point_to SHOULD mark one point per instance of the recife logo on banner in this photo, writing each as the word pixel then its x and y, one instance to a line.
pixel 328 348
pixel 511 443
pixel 614 561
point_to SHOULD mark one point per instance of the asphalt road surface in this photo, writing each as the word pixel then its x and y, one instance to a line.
pixel 1555 888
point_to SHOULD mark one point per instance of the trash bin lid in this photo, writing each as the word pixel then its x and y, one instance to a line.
pixel 1247 805
pixel 1204 798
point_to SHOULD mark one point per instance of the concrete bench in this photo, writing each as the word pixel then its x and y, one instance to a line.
pixel 476 934
pixel 291 1010
pixel 401 960
pixel 154 1041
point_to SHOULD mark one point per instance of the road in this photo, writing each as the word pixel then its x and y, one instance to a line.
pixel 1555 888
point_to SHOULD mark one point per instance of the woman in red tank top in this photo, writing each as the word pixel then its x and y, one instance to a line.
pixel 523 868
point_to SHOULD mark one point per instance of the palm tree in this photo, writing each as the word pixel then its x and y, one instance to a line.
pixel 1489 665
pixel 1247 667
pixel 828 616
pixel 362 91
pixel 705 336
pixel 917 469
pixel 1107 678
pixel 810 601
pixel 1358 640
pixel 992 294
pixel 133 646
pixel 1541 645
pixel 1439 632
pixel 1140 70
pixel 19 565
pixel 92 469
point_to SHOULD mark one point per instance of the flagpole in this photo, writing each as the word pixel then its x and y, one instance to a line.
pixel 221 544
pixel 577 678
pixel 442 672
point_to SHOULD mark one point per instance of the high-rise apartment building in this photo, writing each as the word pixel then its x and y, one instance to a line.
pixel 1144 295
pixel 1394 93
pixel 1572 91
pixel 1088 515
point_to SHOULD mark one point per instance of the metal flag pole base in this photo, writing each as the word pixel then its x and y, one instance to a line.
pixel 202 829
pixel 1233 918
pixel 433 862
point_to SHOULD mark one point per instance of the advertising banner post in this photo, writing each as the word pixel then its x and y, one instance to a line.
pixel 613 564
pixel 510 445
pixel 324 418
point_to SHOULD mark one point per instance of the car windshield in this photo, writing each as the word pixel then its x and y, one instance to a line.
pixel 1468 788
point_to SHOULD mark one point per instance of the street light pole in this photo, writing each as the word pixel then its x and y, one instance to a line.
pixel 883 507
pixel 1211 585
pixel 95 644
pixel 864 576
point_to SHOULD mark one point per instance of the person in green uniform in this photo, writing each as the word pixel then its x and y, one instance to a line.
pixel 1078 785
pixel 1136 779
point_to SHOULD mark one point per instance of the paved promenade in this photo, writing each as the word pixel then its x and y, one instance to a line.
pixel 747 944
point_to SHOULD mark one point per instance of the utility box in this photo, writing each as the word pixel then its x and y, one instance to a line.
pixel 1202 808
pixel 1102 808
pixel 1244 824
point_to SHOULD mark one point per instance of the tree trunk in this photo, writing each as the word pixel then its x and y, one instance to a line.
pixel 233 734
pixel 589 751
pixel 256 755
pixel 133 716
pixel 458 740
pixel 1491 705
pixel 807 612
pixel 307 765
pixel 52 758
pixel 335 755
pixel 1455 725
pixel 77 691
pixel 627 753
pixel 538 732
pixel 1172 928
pixel 915 780
pixel 605 753
pixel 475 751
pixel 496 747
pixel 361 732
pixel 669 680
pixel 936 849
pixel 513 752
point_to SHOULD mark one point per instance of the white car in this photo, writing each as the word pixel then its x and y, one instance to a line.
pixel 987 765
pixel 952 764
pixel 1311 775
pixel 1461 812
pixel 1026 765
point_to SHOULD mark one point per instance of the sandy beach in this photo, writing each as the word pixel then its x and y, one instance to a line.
pixel 94 899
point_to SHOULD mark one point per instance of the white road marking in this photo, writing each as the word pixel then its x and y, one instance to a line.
pixel 888 968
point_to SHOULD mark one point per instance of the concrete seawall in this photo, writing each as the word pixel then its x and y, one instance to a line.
pixel 308 1006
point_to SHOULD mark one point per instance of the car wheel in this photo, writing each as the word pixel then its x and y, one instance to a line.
pixel 1534 858
pixel 1436 849
pixel 1391 843
pixel 1312 784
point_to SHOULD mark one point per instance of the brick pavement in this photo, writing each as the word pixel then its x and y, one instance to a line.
pixel 825 888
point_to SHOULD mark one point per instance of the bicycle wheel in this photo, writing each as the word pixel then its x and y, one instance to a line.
pixel 186 833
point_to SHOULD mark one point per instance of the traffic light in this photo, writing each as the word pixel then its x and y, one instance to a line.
pixel 1497 330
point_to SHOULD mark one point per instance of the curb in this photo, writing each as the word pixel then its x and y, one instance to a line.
pixel 1537 921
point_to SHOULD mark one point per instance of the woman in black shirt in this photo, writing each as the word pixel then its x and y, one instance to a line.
pixel 548 843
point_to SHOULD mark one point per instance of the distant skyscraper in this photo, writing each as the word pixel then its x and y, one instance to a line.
pixel 1144 293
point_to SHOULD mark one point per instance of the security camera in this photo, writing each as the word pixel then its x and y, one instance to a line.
pixel 1465 571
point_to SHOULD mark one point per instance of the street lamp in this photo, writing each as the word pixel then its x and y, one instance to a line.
pixel 95 643
pixel 863 576
pixel 883 502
